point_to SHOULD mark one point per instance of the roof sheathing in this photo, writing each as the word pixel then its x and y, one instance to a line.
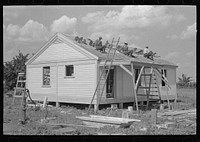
pixel 121 57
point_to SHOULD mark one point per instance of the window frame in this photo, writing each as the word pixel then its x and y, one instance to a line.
pixel 43 75
pixel 72 75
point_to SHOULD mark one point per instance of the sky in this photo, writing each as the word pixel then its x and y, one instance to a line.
pixel 170 31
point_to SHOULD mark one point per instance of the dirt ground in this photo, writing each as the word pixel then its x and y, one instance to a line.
pixel 67 114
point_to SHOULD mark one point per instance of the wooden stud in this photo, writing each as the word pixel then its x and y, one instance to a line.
pixel 96 108
pixel 153 117
pixel 57 104
pixel 123 67
pixel 121 105
pixel 134 90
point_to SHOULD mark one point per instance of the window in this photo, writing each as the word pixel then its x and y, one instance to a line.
pixel 69 70
pixel 164 73
pixel 110 84
pixel 137 72
pixel 46 75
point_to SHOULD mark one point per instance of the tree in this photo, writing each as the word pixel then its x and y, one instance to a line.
pixel 12 68
pixel 184 81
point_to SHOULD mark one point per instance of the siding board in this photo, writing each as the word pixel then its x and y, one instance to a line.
pixel 59 51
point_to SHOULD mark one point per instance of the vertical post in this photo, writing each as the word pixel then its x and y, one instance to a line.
pixel 121 105
pixel 153 117
pixel 57 101
pixel 96 108
pixel 134 89
pixel 23 107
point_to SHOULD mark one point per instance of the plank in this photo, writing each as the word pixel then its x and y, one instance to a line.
pixel 123 67
pixel 178 112
pixel 65 125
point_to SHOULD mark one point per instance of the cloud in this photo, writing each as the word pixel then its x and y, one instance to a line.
pixel 189 32
pixel 63 24
pixel 130 17
pixel 31 31
pixel 12 30
pixel 190 54
pixel 171 55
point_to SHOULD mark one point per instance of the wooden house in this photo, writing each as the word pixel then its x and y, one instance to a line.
pixel 66 71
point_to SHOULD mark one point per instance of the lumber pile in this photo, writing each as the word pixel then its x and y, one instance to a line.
pixel 100 121
pixel 181 112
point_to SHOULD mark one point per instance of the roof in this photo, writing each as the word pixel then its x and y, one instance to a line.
pixel 121 57
pixel 89 50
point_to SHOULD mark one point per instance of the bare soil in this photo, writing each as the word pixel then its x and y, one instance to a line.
pixel 67 114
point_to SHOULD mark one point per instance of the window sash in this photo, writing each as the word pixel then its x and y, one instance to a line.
pixel 69 70
pixel 46 75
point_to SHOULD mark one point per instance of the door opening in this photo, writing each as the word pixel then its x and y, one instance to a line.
pixel 110 84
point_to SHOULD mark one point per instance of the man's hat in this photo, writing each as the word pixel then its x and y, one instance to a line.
pixel 100 37
pixel 126 43
pixel 147 47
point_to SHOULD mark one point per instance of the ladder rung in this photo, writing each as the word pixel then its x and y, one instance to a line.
pixel 142 87
pixel 21 81
pixel 145 95
pixel 153 91
pixel 17 96
pixel 146 74
pixel 19 88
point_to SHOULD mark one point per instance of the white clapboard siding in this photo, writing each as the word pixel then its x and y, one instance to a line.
pixel 79 88
pixel 59 51
pixel 34 82
pixel 127 83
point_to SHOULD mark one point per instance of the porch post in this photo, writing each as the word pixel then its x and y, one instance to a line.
pixel 134 89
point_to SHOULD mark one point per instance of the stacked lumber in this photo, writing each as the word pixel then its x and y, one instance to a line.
pixel 100 121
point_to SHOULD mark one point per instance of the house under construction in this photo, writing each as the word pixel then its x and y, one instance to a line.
pixel 71 72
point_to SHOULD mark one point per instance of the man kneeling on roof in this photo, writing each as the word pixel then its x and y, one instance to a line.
pixel 148 54
pixel 124 50
pixel 98 45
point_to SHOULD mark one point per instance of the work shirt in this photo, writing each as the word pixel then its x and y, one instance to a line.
pixel 98 42
pixel 124 48
pixel 146 50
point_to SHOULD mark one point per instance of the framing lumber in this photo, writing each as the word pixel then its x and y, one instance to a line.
pixel 134 90
pixel 157 85
pixel 136 85
pixel 149 88
pixel 65 125
pixel 178 112
pixel 123 67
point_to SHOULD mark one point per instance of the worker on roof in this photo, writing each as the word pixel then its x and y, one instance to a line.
pixel 106 45
pixel 98 44
pixel 147 53
pixel 124 49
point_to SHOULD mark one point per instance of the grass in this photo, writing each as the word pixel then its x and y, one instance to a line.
pixel 186 100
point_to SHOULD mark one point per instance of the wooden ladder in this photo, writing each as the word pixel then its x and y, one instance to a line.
pixel 105 71
pixel 20 86
pixel 150 86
